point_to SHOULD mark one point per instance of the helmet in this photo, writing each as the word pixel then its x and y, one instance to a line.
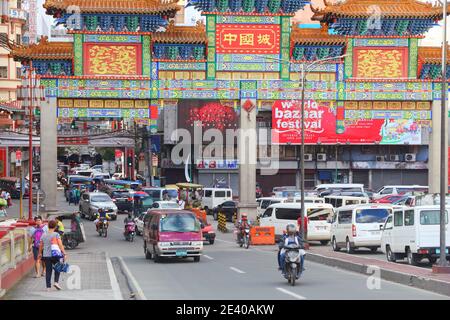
pixel 101 210
pixel 290 229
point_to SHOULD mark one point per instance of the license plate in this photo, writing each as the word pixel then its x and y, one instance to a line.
pixel 438 251
pixel 321 228
pixel 181 253
pixel 375 233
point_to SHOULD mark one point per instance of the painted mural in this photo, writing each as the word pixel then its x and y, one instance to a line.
pixel 381 63
pixel 112 59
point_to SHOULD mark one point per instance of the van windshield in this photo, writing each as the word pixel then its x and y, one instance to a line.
pixel 287 214
pixel 179 223
pixel 318 214
pixel 371 215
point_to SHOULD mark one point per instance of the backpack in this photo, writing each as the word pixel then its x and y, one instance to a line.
pixel 37 235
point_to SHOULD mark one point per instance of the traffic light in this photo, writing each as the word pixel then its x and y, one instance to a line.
pixel 130 161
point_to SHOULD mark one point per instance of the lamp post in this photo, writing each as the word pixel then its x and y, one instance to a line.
pixel 443 265
pixel 30 92
pixel 304 70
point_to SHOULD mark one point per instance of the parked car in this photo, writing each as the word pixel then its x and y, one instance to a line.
pixel 414 234
pixel 212 197
pixel 388 199
pixel 399 189
pixel 172 233
pixel 281 214
pixel 165 205
pixel 229 208
pixel 123 200
pixel 90 202
pixel 358 226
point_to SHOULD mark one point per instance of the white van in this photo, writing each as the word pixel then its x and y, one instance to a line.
pixel 162 194
pixel 281 214
pixel 395 190
pixel 265 202
pixel 341 201
pixel 307 200
pixel 212 197
pixel 340 186
pixel 414 233
pixel 358 226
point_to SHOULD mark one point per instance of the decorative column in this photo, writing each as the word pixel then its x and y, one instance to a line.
pixel 49 147
pixel 247 151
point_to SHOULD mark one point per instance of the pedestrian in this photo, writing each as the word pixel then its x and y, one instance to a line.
pixel 8 199
pixel 305 224
pixel 51 250
pixel 77 195
pixel 3 213
pixel 59 226
pixel 36 234
pixel 72 196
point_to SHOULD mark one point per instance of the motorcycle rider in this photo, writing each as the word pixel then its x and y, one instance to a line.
pixel 291 237
pixel 242 224
pixel 128 219
pixel 100 216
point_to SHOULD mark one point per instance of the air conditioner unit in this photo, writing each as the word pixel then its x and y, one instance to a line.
pixel 380 158
pixel 308 157
pixel 321 157
pixel 410 157
pixel 394 157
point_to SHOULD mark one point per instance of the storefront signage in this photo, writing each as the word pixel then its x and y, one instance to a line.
pixel 217 164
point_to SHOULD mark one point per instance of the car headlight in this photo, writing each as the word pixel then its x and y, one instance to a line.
pixel 164 244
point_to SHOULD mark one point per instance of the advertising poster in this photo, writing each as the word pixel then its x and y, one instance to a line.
pixel 321 126
pixel 3 162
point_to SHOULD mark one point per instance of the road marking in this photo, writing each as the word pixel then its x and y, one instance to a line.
pixel 208 257
pixel 296 296
pixel 220 240
pixel 112 278
pixel 139 292
pixel 237 270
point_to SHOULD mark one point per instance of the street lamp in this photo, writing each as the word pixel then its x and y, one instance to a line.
pixel 304 70
pixel 31 93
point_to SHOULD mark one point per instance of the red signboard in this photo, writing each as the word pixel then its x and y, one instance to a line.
pixel 3 162
pixel 321 126
pixel 18 155
pixel 118 153
pixel 246 38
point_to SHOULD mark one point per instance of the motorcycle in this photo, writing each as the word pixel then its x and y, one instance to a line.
pixel 292 262
pixel 244 238
pixel 103 228
pixel 130 231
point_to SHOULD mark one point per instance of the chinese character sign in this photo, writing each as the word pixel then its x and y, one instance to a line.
pixel 112 59
pixel 245 38
pixel 381 63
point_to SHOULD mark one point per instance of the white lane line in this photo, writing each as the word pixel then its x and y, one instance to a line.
pixel 112 278
pixel 139 292
pixel 296 296
pixel 220 240
pixel 237 270
pixel 208 257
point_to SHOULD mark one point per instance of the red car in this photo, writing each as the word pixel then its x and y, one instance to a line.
pixel 388 199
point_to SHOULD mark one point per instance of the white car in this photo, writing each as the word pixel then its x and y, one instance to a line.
pixel 395 190
pixel 166 205
pixel 139 221
pixel 359 226
pixel 91 202
pixel 414 233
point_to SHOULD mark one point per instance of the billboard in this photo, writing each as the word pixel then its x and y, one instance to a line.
pixel 248 38
pixel 321 126
pixel 211 114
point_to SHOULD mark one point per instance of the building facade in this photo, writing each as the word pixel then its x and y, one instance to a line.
pixel 369 110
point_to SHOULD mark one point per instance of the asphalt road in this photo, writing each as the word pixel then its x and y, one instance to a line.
pixel 226 271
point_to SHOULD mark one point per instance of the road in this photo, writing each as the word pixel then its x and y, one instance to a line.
pixel 229 272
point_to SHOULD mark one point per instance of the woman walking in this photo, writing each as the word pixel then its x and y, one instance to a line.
pixel 51 250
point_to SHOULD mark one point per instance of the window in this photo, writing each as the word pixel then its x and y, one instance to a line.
pixel 387 191
pixel 345 217
pixel 409 218
pixel 287 214
pixel 338 203
pixel 219 194
pixel 265 204
pixel 19 4
pixel 431 217
pixel 371 215
pixel 229 194
pixel 180 222
pixel 229 204
pixel 398 218
pixel 208 193
pixel 18 72
pixel 349 202
pixel 267 213
pixel 319 214
pixel 18 39
pixel 388 224
pixel 3 72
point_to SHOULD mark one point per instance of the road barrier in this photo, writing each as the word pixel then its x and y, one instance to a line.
pixel 15 259
pixel 222 222
pixel 262 235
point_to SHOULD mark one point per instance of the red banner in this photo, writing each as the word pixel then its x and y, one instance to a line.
pixel 245 38
pixel 320 125
pixel 3 162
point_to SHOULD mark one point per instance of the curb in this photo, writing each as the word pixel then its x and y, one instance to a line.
pixel 419 282
pixel 131 281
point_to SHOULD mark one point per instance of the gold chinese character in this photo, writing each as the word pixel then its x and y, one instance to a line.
pixel 246 39
pixel 264 39
pixel 229 37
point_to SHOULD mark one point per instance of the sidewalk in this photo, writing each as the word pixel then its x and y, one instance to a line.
pixel 401 273
pixel 91 277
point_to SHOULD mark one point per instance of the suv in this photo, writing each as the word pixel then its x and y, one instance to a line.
pixel 90 202
pixel 123 200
